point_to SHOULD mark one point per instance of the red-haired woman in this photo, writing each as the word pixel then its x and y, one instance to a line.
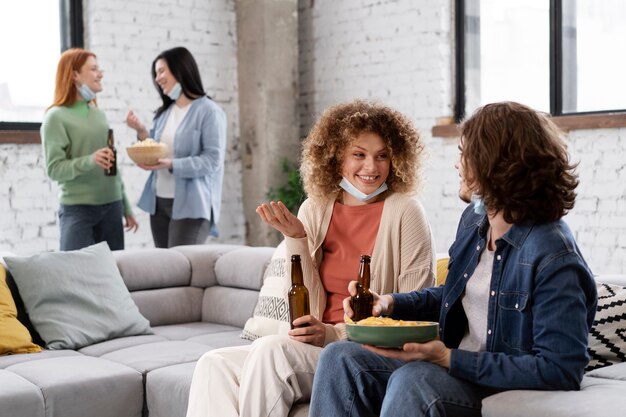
pixel 74 137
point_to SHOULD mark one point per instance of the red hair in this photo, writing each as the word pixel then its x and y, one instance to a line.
pixel 65 91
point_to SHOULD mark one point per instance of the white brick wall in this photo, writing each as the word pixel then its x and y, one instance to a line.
pixel 126 37
pixel 399 51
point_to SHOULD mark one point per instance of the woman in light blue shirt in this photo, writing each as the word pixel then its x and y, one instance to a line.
pixel 184 191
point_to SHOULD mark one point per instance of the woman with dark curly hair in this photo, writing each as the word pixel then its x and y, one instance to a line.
pixel 360 167
pixel 515 274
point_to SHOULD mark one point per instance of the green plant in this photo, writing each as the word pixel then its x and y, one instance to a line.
pixel 291 194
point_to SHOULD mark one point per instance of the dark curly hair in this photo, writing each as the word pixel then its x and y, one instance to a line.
pixel 324 148
pixel 517 161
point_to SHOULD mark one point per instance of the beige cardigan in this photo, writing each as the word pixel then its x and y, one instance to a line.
pixel 402 260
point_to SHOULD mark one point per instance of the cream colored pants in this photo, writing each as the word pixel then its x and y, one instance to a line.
pixel 258 380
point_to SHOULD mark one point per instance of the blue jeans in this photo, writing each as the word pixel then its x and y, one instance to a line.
pixel 352 381
pixel 83 225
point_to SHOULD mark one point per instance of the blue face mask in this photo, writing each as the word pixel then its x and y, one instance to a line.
pixel 359 195
pixel 86 92
pixel 174 93
pixel 479 205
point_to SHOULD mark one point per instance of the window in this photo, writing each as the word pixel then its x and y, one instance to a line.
pixel 39 30
pixel 557 56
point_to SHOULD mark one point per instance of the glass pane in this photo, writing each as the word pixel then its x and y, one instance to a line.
pixel 30 51
pixel 507 52
pixel 594 62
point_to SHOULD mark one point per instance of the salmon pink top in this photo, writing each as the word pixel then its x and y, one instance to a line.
pixel 351 233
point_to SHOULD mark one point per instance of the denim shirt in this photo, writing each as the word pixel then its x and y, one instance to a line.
pixel 198 163
pixel 541 306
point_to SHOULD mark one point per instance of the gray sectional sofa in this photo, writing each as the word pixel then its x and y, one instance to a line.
pixel 198 298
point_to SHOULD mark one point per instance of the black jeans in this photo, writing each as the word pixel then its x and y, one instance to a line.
pixel 168 232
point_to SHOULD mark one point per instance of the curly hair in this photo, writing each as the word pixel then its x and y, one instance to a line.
pixel 339 126
pixel 517 161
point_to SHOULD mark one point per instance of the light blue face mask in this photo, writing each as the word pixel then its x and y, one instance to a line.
pixel 479 205
pixel 174 93
pixel 86 92
pixel 358 194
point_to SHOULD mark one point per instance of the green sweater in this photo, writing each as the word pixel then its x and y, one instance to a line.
pixel 70 136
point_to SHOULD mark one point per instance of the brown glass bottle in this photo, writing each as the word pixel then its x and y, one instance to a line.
pixel 112 170
pixel 363 301
pixel 298 294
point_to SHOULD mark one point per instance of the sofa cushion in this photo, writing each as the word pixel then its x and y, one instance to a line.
pixel 151 356
pixel 243 268
pixel 202 259
pixel 79 386
pixel 144 269
pixel 185 331
pixel 597 397
pixel 14 337
pixel 76 298
pixel 220 340
pixel 112 345
pixel 230 306
pixel 163 306
pixel 607 338
pixel 9 360
pixel 167 390
pixel 19 397
pixel 271 312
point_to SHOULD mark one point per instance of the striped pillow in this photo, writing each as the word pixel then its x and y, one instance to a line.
pixel 607 338
pixel 271 313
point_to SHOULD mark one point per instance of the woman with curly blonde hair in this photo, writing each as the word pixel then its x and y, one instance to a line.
pixel 360 167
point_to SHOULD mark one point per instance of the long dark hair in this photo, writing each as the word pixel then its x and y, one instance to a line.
pixel 184 68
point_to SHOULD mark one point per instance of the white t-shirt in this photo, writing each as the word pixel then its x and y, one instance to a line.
pixel 165 183
pixel 476 304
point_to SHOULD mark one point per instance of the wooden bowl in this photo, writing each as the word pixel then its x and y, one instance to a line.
pixel 147 155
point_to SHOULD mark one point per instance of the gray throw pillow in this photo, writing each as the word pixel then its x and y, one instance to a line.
pixel 76 298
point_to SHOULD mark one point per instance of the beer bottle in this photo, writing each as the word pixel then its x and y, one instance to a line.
pixel 112 170
pixel 363 301
pixel 298 295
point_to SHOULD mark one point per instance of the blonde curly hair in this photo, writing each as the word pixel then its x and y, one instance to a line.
pixel 339 126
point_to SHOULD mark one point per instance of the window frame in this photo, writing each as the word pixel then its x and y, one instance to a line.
pixel 556 67
pixel 72 36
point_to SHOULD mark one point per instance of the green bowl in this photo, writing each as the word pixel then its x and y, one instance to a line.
pixel 393 336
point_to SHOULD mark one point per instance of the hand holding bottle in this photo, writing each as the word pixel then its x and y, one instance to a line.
pixel 309 330
pixel 383 304
pixel 103 157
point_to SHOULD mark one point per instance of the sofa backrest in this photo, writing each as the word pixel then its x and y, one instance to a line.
pixel 239 276
pixel 217 283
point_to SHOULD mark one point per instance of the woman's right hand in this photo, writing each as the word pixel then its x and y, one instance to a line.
pixel 383 304
pixel 277 215
pixel 134 123
pixel 103 157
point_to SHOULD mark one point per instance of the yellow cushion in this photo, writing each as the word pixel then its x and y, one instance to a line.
pixel 14 337
pixel 442 270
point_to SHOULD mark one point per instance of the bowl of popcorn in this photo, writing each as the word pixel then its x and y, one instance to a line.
pixel 147 152
pixel 387 332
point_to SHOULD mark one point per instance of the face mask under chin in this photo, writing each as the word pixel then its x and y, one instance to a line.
pixel 358 194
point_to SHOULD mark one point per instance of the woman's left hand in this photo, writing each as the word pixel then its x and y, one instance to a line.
pixel 308 330
pixel 131 223
pixel 434 351
pixel 164 163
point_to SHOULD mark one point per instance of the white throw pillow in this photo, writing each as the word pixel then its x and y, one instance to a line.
pixel 271 313
pixel 607 338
